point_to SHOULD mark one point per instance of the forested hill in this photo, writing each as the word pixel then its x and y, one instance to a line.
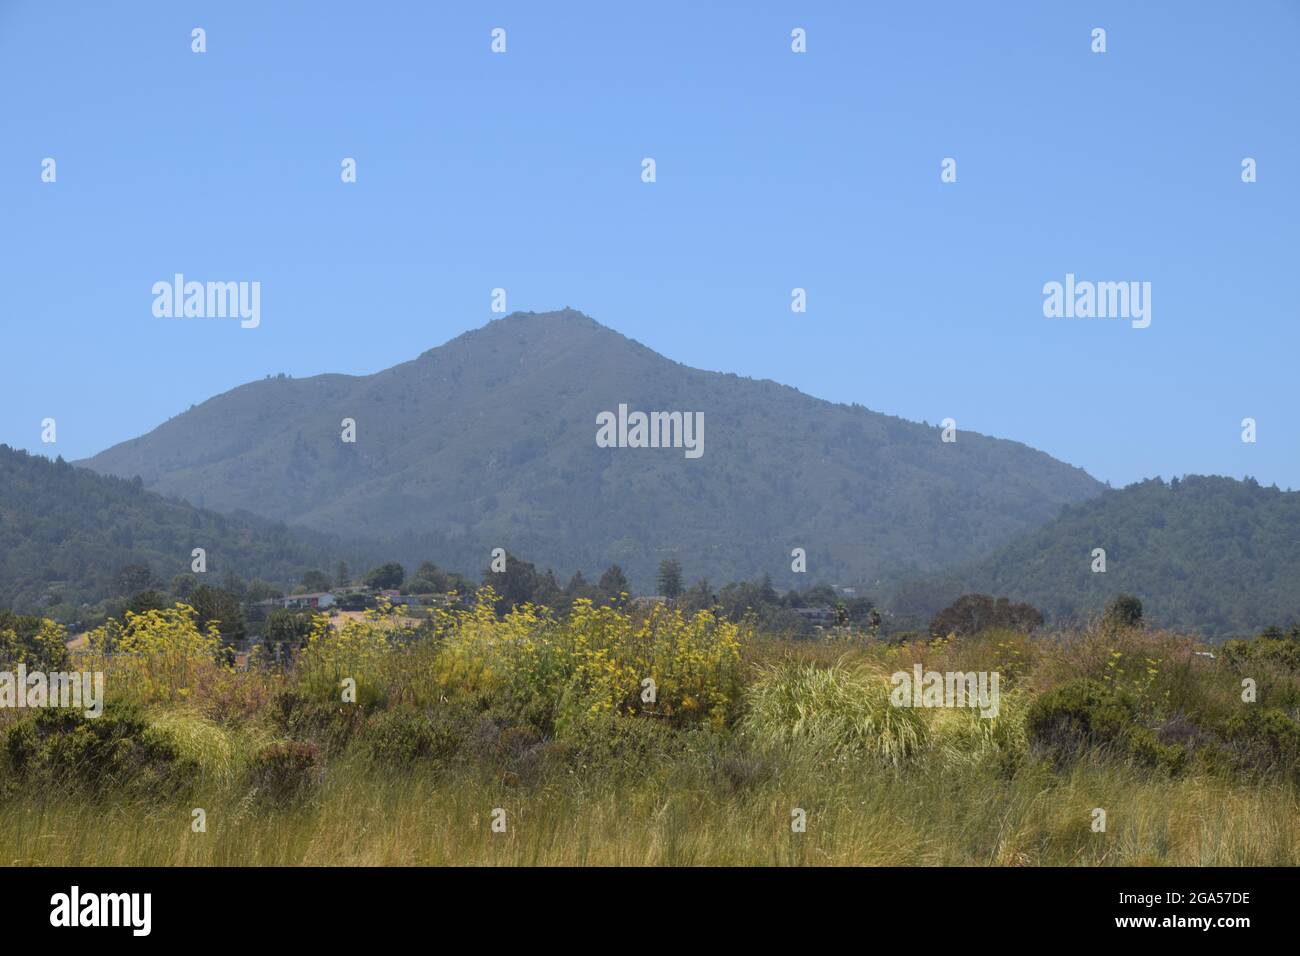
pixel 70 537
pixel 490 441
pixel 1206 555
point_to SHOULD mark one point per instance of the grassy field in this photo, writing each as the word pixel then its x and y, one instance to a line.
pixel 545 728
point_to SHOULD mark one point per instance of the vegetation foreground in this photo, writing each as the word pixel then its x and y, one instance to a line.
pixel 620 736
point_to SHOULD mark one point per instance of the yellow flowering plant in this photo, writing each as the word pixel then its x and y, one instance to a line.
pixel 161 652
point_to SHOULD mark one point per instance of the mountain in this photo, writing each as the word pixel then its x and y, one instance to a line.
pixel 490 441
pixel 1206 555
pixel 67 534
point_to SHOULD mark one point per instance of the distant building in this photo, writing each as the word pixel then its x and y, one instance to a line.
pixel 317 599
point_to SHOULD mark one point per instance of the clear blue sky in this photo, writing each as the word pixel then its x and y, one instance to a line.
pixel 775 170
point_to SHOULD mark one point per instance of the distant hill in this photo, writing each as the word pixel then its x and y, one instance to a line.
pixel 490 441
pixel 66 534
pixel 1206 555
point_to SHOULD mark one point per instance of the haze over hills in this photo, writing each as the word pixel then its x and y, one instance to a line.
pixel 1206 555
pixel 490 441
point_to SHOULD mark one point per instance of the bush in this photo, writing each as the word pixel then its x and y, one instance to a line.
pixel 1282 652
pixel 1085 714
pixel 557 674
pixel 1265 739
pixel 400 738
pixel 34 641
pixel 285 773
pixel 622 746
pixel 1079 715
pixel 330 726
pixel 97 755
pixel 359 650
pixel 1123 611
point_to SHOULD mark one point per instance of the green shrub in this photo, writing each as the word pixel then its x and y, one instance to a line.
pixel 1084 714
pixel 117 750
pixel 1266 740
pixel 1145 748
pixel 1079 714
pixel 285 773
pixel 402 737
pixel 1123 611
pixel 619 745
pixel 331 726
pixel 1282 652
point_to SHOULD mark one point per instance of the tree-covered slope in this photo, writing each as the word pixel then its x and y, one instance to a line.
pixel 67 535
pixel 1206 555
pixel 490 441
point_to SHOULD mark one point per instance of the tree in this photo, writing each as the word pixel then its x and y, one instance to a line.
pixel 428 579
pixel 613 582
pixel 700 597
pixel 548 592
pixel 284 626
pixel 342 577
pixel 972 613
pixel 670 578
pixel 35 641
pixel 149 600
pixel 386 576
pixel 517 584
pixel 259 590
pixel 1124 610
pixel 133 578
pixel 183 586
pixel 213 604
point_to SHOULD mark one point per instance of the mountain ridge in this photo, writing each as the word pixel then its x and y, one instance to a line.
pixel 67 532
pixel 1206 554
pixel 489 441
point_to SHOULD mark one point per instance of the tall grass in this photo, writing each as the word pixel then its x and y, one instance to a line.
pixel 857 815
pixel 546 720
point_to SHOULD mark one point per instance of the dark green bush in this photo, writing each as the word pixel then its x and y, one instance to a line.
pixel 1085 714
pixel 285 773
pixel 1080 714
pixel 1283 652
pixel 402 737
pixel 1266 740
pixel 115 751
pixel 1123 611
pixel 330 726
pixel 620 745
pixel 1145 747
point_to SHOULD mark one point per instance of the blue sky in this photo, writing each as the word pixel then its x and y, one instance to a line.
pixel 775 170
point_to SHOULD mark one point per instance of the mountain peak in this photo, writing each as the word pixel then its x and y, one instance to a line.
pixel 490 441
pixel 529 326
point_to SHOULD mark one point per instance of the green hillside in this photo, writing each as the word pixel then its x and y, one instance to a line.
pixel 489 441
pixel 1206 555
pixel 70 538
